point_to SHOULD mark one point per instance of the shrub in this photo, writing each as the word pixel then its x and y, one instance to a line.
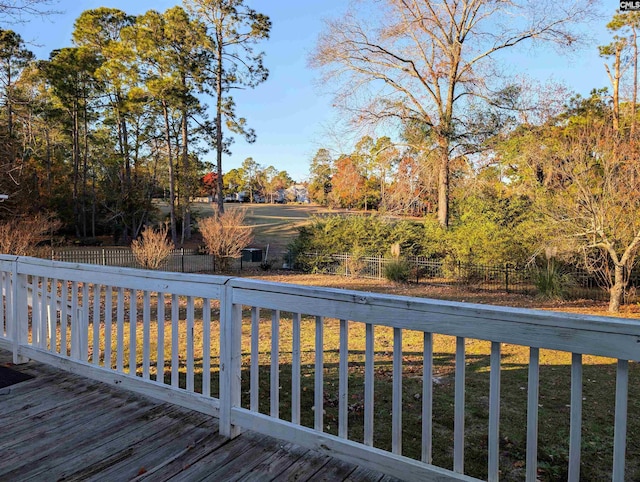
pixel 266 265
pixel 21 236
pixel 225 236
pixel 363 236
pixel 354 264
pixel 153 248
pixel 397 271
pixel 552 281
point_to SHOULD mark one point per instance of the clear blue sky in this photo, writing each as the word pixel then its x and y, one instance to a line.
pixel 288 112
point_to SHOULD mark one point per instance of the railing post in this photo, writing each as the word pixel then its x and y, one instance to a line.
pixel 230 360
pixel 19 313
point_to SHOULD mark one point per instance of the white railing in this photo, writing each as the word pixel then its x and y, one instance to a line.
pixel 226 346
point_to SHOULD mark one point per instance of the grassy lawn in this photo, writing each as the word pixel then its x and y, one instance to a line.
pixel 276 225
pixel 598 392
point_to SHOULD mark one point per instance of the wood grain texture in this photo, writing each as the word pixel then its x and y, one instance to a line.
pixel 61 426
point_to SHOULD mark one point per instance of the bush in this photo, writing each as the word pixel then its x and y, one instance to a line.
pixel 153 248
pixel 266 265
pixel 225 236
pixel 552 281
pixel 397 271
pixel 21 237
pixel 362 236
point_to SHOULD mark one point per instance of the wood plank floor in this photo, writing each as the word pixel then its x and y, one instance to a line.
pixel 62 427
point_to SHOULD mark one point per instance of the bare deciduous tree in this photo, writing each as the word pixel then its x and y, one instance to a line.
pixel 15 10
pixel 594 205
pixel 432 63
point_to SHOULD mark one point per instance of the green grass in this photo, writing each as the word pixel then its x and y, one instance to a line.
pixel 599 391
pixel 275 225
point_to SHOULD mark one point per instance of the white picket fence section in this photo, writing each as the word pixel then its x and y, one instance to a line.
pixel 136 329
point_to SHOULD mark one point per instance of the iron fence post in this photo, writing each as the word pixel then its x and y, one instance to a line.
pixel 506 277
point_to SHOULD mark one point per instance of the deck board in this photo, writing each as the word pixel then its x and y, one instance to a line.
pixel 304 466
pixel 63 427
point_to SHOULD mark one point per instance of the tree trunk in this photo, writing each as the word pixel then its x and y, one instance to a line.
pixel 219 138
pixel 123 130
pixel 615 83
pixel 9 94
pixel 85 160
pixel 76 160
pixel 172 182
pixel 617 290
pixel 635 83
pixel 186 214
pixel 48 160
pixel 443 187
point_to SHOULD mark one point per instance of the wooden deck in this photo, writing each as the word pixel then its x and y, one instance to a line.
pixel 58 426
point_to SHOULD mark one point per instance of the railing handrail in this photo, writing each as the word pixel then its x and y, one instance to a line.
pixel 607 336
pixel 370 307
pixel 128 278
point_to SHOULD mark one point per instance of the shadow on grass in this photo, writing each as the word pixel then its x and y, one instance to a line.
pixel 554 410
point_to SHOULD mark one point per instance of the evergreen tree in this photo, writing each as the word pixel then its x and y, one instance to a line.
pixel 233 30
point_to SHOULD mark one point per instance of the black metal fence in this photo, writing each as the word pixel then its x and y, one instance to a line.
pixel 181 260
pixel 507 278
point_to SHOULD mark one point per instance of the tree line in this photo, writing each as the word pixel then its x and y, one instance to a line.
pixel 257 182
pixel 103 126
pixel 505 170
pixel 99 129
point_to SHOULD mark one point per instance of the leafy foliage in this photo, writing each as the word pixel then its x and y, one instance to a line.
pixel 585 187
pixel 397 271
pixel 347 184
pixel 480 239
pixel 552 280
pixel 366 236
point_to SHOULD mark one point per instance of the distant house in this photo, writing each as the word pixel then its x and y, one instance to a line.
pixel 297 193
pixel 279 196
